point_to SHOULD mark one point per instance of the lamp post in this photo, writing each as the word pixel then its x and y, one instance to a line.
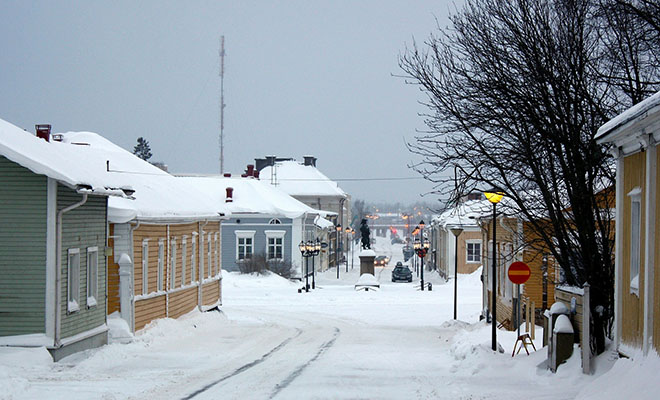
pixel 337 245
pixel 304 252
pixel 347 230
pixel 457 232
pixel 494 196
pixel 316 249
pixel 421 247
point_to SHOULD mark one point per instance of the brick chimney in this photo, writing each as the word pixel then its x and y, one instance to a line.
pixel 250 170
pixel 43 131
pixel 230 195
pixel 310 160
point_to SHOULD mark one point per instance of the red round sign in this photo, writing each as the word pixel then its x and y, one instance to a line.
pixel 519 272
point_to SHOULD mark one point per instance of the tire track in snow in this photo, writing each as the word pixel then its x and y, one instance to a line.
pixel 286 382
pixel 245 367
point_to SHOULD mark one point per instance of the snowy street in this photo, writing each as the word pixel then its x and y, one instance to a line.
pixel 269 341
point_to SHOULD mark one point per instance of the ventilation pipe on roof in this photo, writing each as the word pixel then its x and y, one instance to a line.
pixel 250 170
pixel 230 195
pixel 227 175
pixel 43 131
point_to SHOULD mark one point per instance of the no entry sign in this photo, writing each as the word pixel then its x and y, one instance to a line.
pixel 519 272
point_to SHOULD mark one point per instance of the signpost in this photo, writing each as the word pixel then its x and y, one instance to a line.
pixel 519 273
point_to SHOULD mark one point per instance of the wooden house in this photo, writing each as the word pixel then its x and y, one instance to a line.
pixel 52 242
pixel 165 241
pixel 634 137
pixel 262 220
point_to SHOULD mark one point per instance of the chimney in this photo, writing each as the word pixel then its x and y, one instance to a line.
pixel 43 131
pixel 256 174
pixel 230 195
pixel 310 160
pixel 270 160
pixel 250 170
pixel 227 175
pixel 260 163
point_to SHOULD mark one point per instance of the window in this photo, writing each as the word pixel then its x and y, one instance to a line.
pixel 274 221
pixel 275 245
pixel 635 237
pixel 193 258
pixel 473 249
pixel 161 263
pixel 145 267
pixel 217 252
pixel 209 260
pixel 184 259
pixel 73 280
pixel 173 264
pixel 244 244
pixel 92 275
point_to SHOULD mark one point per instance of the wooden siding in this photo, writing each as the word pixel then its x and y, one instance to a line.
pixel 147 310
pixel 210 293
pixel 182 302
pixel 565 297
pixel 632 306
pixel 83 227
pixel 23 196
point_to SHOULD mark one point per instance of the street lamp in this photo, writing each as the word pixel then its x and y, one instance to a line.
pixel 304 252
pixel 347 230
pixel 494 196
pixel 337 244
pixel 316 250
pixel 421 247
pixel 457 232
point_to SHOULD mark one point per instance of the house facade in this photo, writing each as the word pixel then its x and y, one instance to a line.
pixel 164 241
pixel 634 136
pixel 304 182
pixel 53 243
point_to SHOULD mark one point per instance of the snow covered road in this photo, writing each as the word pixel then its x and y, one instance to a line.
pixel 269 341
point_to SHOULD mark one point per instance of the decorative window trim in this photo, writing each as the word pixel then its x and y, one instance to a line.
pixel 161 264
pixel 244 235
pixel 209 255
pixel 92 276
pixel 73 280
pixel 216 239
pixel 173 263
pixel 275 221
pixel 271 234
pixel 635 238
pixel 193 257
pixel 184 256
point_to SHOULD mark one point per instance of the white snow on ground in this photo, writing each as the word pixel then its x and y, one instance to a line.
pixel 270 341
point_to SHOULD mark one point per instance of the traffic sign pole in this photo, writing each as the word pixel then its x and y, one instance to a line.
pixel 519 273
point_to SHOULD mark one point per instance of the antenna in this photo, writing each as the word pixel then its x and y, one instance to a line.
pixel 222 103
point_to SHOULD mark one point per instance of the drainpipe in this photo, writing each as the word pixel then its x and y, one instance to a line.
pixel 200 262
pixel 58 264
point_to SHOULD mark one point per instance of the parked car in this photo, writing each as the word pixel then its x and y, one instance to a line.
pixel 407 252
pixel 381 261
pixel 401 273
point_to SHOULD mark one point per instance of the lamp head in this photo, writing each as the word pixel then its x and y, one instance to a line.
pixel 338 227
pixel 421 224
pixel 301 247
pixel 494 195
pixel 456 231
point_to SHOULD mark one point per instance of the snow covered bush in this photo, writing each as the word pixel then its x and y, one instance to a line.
pixel 259 264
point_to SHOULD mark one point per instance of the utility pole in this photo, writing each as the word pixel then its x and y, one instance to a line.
pixel 222 103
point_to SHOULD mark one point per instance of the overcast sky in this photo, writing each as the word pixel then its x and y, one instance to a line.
pixel 301 78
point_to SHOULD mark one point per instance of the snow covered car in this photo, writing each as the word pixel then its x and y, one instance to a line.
pixel 401 273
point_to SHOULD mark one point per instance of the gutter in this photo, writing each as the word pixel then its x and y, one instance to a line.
pixel 58 264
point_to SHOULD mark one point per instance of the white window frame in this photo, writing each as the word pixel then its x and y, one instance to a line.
pixel 92 276
pixel 173 263
pixel 275 235
pixel 73 280
pixel 161 264
pixel 274 221
pixel 635 238
pixel 193 258
pixel 184 256
pixel 209 255
pixel 472 242
pixel 244 235
pixel 145 267
pixel 216 239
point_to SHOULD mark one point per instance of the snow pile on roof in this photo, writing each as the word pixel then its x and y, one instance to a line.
pixel 629 115
pixel 465 214
pixel 301 180
pixel 64 162
pixel 158 195
pixel 252 196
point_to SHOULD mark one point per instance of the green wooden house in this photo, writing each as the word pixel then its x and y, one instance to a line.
pixel 53 236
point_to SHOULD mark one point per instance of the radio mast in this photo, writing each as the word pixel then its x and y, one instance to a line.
pixel 222 103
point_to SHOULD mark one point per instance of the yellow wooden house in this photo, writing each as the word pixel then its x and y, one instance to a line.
pixel 634 137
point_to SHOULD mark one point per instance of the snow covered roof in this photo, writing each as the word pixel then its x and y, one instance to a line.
pixel 465 214
pixel 158 195
pixel 297 179
pixel 63 162
pixel 252 196
pixel 629 117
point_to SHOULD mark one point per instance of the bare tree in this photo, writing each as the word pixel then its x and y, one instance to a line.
pixel 515 101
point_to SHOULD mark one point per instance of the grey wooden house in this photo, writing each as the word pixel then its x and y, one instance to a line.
pixel 53 236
